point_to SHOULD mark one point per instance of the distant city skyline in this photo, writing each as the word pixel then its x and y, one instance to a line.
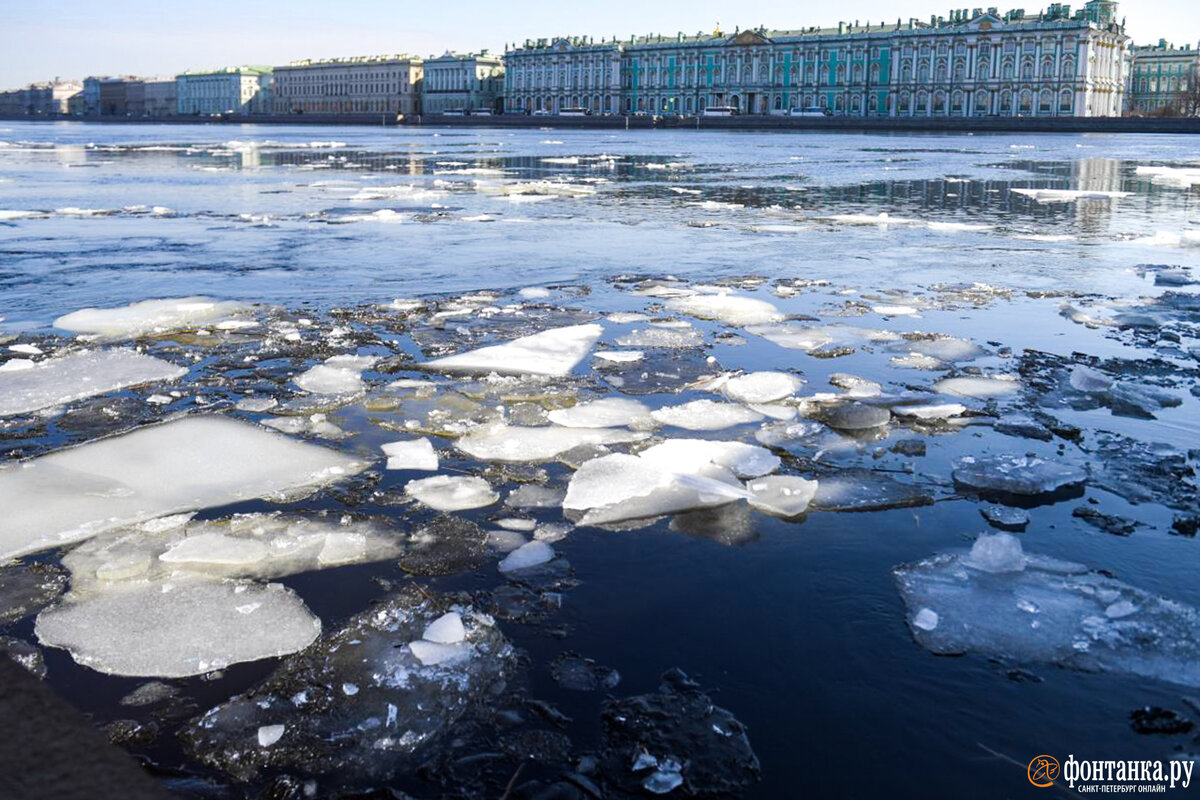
pixel 74 38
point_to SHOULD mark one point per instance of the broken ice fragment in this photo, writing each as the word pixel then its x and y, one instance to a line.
pixel 930 411
pixel 608 412
pixel 452 493
pixel 925 619
pixel 269 735
pixel 1005 518
pixel 782 495
pixel 857 417
pixel 690 456
pixel 417 454
pixel 705 415
pixel 188 464
pixel 173 630
pixel 553 352
pixel 530 554
pixel 446 629
pixel 339 375
pixel 148 316
pixel 977 387
pixel 1023 475
pixel 79 375
pixel 432 653
pixel 757 388
pixel 998 552
pixel 500 442
pixel 728 308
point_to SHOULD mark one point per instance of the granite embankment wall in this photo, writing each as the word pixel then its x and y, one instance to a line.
pixel 745 123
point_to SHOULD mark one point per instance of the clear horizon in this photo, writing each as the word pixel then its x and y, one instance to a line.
pixel 74 39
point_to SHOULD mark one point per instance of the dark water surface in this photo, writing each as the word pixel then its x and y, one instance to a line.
pixel 796 627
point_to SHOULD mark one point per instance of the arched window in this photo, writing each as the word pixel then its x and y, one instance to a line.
pixel 1046 102
pixel 956 103
pixel 1068 69
pixel 923 71
pixel 960 69
pixel 1047 68
pixel 939 103
pixel 841 74
pixel 1006 103
pixel 1065 102
pixel 1006 69
pixel 982 104
pixel 941 72
pixel 983 69
pixel 874 73
pixel 1026 102
pixel 1027 69
pixel 905 103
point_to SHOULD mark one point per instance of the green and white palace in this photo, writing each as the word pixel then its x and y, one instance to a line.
pixel 982 63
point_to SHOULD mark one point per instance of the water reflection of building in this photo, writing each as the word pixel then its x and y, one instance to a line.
pixel 1159 73
pixel 380 85
pixel 1053 63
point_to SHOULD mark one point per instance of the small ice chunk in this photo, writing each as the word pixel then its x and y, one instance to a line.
pixel 728 308
pixel 980 388
pixel 662 337
pixel 930 410
pixel 926 619
pixel 79 375
pixel 269 735
pixel 446 629
pixel 782 495
pixel 514 524
pixel 256 405
pixel 431 653
pixel 1121 609
pixel 996 552
pixel 553 352
pixel 452 493
pixel 505 541
pixel 500 442
pixel 608 412
pixel 148 316
pixel 620 356
pixel 857 417
pixel 416 454
pixel 534 292
pixel 761 387
pixel 530 554
pixel 705 415
pixel 1086 379
pixel 26 349
pixel 339 375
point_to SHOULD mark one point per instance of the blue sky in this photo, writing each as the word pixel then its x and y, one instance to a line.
pixel 41 39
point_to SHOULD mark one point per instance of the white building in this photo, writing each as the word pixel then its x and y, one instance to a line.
pixel 462 82
pixel 981 63
pixel 382 85
pixel 232 90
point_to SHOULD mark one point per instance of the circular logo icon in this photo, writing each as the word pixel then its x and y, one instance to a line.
pixel 1042 771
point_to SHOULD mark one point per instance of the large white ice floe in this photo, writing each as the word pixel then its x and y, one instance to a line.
pixel 188 464
pixel 501 442
pixel 1014 474
pixel 452 492
pixel 999 601
pixel 73 377
pixel 339 375
pixel 692 456
pixel 761 387
pixel 705 415
pixel 179 628
pixel 607 412
pixel 148 316
pixel 553 352
pixel 728 308
pixel 621 487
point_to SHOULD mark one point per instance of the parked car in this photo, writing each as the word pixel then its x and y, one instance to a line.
pixel 810 111
pixel 573 111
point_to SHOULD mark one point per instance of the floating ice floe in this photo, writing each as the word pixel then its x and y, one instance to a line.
pixel 705 415
pixel 1177 177
pixel 1023 475
pixel 148 317
pixel 528 555
pixel 608 412
pixel 782 495
pixel 662 337
pixel 694 456
pixel 999 601
pixel 452 493
pixel 417 454
pixel 621 487
pixel 817 338
pixel 553 352
pixel 179 628
pixel 264 546
pixel 728 308
pixel 940 347
pixel 1069 195
pixel 857 417
pixel 930 411
pixel 79 375
pixel 501 442
pixel 980 388
pixel 620 356
pixel 397 707
pixel 339 375
pixel 188 464
pixel 761 387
